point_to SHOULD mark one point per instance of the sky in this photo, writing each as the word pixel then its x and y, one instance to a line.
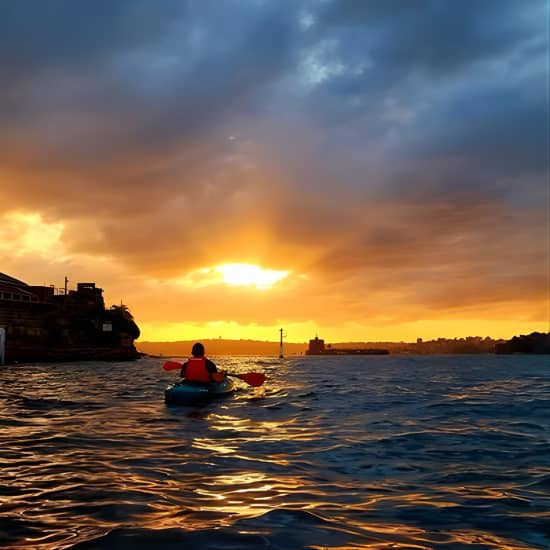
pixel 361 170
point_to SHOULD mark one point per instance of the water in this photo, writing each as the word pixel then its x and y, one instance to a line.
pixel 341 452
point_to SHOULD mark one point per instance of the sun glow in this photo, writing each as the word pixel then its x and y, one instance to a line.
pixel 235 275
pixel 249 275
pixel 28 234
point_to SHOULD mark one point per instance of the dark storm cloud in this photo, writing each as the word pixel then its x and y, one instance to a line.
pixel 132 102
pixel 65 35
pixel 470 75
pixel 449 104
pixel 502 130
pixel 164 71
pixel 436 36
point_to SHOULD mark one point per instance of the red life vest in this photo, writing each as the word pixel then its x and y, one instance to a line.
pixel 196 370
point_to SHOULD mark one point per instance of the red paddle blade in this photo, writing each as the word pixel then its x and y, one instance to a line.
pixel 218 377
pixel 253 378
pixel 171 365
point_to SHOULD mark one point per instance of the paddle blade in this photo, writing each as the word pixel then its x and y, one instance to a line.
pixel 218 377
pixel 171 365
pixel 253 378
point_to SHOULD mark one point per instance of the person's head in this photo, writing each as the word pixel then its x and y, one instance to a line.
pixel 197 350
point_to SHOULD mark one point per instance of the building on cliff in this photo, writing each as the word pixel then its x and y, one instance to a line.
pixel 41 324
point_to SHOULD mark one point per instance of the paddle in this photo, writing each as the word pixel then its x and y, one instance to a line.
pixel 171 365
pixel 254 379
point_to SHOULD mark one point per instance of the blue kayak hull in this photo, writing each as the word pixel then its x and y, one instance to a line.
pixel 190 393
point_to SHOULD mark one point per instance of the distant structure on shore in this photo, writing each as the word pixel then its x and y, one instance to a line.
pixel 42 323
pixel 317 347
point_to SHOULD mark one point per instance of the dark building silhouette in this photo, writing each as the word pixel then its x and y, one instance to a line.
pixel 316 347
pixel 42 325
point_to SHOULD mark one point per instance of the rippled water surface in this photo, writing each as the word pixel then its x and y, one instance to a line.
pixel 342 452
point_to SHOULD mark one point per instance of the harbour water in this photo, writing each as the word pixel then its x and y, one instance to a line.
pixel 444 452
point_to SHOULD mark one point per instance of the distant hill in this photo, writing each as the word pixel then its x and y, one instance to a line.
pixel 471 344
pixel 255 347
pixel 221 347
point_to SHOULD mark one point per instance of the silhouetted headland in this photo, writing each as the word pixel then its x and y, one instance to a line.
pixel 45 324
pixel 536 342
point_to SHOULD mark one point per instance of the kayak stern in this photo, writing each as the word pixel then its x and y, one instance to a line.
pixel 190 393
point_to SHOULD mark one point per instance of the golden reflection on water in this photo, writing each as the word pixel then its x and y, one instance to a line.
pixel 78 466
pixel 211 445
pixel 269 430
pixel 421 499
pixel 470 538
pixel 235 479
pixel 246 494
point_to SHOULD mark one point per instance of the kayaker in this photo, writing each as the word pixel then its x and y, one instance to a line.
pixel 200 369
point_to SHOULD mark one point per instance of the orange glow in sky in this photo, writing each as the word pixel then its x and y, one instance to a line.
pixel 237 300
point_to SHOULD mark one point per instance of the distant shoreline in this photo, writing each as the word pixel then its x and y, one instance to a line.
pixel 472 345
pixel 181 348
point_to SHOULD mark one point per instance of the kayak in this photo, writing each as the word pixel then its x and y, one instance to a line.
pixel 190 393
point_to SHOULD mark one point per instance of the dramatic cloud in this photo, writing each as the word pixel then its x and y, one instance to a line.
pixel 391 155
